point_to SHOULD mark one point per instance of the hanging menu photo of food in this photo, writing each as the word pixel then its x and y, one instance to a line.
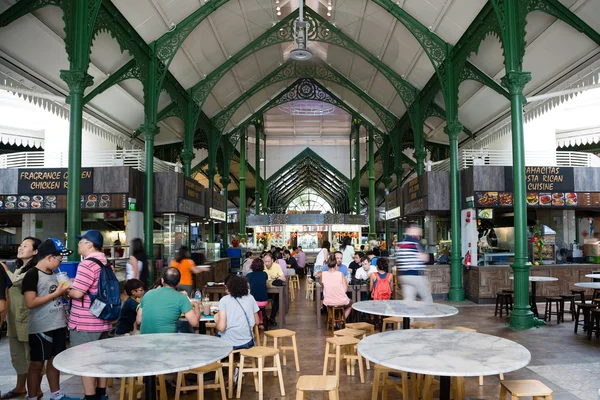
pixel 537 199
pixel 32 202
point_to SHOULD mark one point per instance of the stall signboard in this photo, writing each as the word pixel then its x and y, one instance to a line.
pixel 51 202
pixel 391 201
pixel 416 188
pixel 544 179
pixel 254 220
pixel 217 214
pixel 313 228
pixel 345 228
pixel 392 214
pixel 218 201
pixel 192 190
pixel 272 228
pixel 538 199
pixel 355 220
pixel 306 219
pixel 51 181
pixel 415 206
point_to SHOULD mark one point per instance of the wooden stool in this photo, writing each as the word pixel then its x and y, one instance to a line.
pixel 594 323
pixel 231 365
pixel 363 326
pixel 291 293
pixel 356 333
pixel 581 294
pixel 282 334
pixel 310 289
pixel 200 385
pixel 395 321
pixel 130 387
pixel 571 299
pixel 335 314
pixel 583 308
pixel 548 311
pixel 260 353
pixel 333 349
pixel 525 388
pixel 317 383
pixel 211 328
pixel 294 282
pixel 381 383
pixel 422 325
pixel 503 300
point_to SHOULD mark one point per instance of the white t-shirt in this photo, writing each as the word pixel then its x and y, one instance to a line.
pixel 362 274
pixel 347 254
pixel 320 257
pixel 129 270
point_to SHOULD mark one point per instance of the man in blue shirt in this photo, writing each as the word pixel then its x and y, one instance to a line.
pixel 340 267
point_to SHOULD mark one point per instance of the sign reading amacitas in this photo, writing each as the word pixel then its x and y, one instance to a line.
pixel 544 179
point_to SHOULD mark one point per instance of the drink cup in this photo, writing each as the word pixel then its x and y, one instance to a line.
pixel 63 279
pixel 206 309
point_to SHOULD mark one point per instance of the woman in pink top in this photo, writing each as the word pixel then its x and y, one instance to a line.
pixel 335 286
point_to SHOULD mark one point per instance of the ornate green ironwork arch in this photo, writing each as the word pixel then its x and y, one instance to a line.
pixel 316 70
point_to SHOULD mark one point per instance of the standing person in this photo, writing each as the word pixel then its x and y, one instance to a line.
pixel 322 257
pixel 85 327
pixel 258 285
pixel 335 287
pixel 247 263
pixel 301 259
pixel 187 267
pixel 161 308
pixel 347 250
pixel 274 271
pixel 47 319
pixel 18 320
pixel 135 290
pixel 382 284
pixel 410 266
pixel 238 313
pixel 137 266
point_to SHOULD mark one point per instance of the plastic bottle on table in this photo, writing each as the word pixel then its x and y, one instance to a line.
pixel 198 296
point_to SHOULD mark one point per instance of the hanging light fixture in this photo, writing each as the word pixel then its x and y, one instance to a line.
pixel 300 51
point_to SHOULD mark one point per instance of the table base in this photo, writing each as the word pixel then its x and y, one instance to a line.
pixel 444 388
pixel 150 387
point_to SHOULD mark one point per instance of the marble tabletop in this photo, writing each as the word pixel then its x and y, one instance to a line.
pixel 142 355
pixel 588 285
pixel 538 278
pixel 402 308
pixel 593 276
pixel 444 352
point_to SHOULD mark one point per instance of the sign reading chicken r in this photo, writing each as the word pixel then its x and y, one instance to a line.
pixel 52 181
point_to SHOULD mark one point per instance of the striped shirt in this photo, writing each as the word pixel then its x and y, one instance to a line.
pixel 407 255
pixel 86 281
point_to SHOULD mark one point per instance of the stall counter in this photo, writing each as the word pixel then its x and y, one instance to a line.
pixel 219 270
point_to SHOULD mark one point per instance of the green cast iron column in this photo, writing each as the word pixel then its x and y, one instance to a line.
pixel 242 213
pixel 515 80
pixel 187 155
pixel 77 82
pixel 225 180
pixel 265 193
pixel 457 292
pixel 387 181
pixel 356 126
pixel 351 190
pixel 257 127
pixel 372 229
pixel 420 153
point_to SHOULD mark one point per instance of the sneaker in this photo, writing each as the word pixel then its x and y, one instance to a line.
pixel 65 397
pixel 105 397
pixel 235 375
pixel 273 322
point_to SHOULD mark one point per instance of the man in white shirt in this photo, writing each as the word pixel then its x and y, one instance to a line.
pixel 365 270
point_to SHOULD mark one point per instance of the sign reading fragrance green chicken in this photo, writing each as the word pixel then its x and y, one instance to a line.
pixel 52 181
pixel 544 179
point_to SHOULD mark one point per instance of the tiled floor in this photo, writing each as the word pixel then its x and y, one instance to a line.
pixel 568 363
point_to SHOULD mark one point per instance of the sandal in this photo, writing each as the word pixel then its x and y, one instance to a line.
pixel 11 395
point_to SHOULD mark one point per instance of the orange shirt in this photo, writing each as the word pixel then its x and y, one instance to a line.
pixel 185 268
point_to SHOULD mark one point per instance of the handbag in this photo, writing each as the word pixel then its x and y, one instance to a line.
pixel 247 321
pixel 278 282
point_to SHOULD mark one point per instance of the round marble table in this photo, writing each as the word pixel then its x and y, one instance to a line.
pixel 142 355
pixel 445 353
pixel 534 280
pixel 589 285
pixel 405 309
pixel 593 276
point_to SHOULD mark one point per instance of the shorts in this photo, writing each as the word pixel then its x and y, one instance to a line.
pixel 44 346
pixel 81 337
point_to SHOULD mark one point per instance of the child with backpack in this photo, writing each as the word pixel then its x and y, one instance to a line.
pixel 42 293
pixel 381 282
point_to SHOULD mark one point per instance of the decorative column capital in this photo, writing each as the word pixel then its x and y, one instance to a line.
pixel 356 123
pixel 77 81
pixel 149 131
pixel 453 129
pixel 225 181
pixel 187 156
pixel 211 171
pixel 515 81
pixel 387 181
pixel 420 154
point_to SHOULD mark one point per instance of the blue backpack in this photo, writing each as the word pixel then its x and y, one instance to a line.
pixel 106 304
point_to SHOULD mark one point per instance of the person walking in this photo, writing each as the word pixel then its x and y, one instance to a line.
pixel 18 320
pixel 137 266
pixel 187 268
pixel 410 266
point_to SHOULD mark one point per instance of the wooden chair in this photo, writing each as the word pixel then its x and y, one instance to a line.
pixel 335 315
pixel 383 385
pixel 317 383
pixel 525 388
pixel 343 347
pixel 283 334
pixel 200 385
pixel 395 321
pixel 259 353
